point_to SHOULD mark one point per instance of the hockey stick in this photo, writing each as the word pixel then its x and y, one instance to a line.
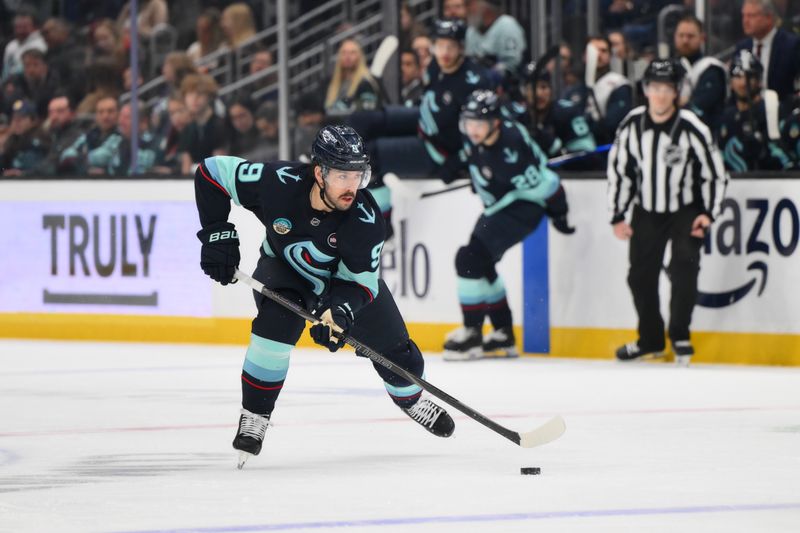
pixel 547 432
pixel 385 51
pixel 555 162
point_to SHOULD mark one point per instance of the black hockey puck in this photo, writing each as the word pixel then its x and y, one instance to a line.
pixel 530 470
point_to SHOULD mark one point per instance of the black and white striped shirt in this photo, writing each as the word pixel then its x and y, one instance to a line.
pixel 664 167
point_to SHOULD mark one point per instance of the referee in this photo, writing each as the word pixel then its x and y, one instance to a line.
pixel 664 162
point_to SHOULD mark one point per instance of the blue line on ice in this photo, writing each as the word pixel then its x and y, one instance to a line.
pixel 544 515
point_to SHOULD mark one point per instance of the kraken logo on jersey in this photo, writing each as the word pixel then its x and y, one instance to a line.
pixel 282 226
pixel 300 256
pixel 427 108
pixel 512 156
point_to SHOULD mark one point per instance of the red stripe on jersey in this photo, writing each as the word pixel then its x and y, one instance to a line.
pixel 369 292
pixel 259 387
pixel 476 307
pixel 206 176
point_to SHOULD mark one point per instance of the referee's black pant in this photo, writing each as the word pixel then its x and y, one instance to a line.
pixel 651 232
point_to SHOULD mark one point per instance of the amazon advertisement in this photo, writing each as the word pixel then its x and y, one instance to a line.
pixel 114 257
pixel 749 278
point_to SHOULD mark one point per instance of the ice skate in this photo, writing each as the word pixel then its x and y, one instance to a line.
pixel 683 352
pixel 500 343
pixel 250 435
pixel 432 417
pixel 631 352
pixel 463 344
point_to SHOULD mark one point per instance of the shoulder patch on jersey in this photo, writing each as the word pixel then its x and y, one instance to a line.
pixel 369 215
pixel 511 156
pixel 283 173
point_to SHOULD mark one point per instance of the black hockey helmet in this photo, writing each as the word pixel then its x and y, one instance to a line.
pixel 450 29
pixel 665 71
pixel 340 147
pixel 481 104
pixel 744 63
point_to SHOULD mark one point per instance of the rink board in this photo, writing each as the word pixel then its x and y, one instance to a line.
pixel 70 279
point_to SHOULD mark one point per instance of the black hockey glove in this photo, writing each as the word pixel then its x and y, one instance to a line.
pixel 333 326
pixel 219 256
pixel 556 208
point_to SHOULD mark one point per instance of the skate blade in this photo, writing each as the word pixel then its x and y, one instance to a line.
pixel 501 353
pixel 654 357
pixel 243 457
pixel 472 355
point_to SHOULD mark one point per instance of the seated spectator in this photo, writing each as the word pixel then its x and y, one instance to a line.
pixel 261 60
pixel 106 43
pixel 423 46
pixel 170 142
pixel 267 126
pixel 151 14
pixel 352 86
pixel 104 80
pixel 204 136
pixel 237 24
pixel 64 53
pixel 209 35
pixel 408 26
pixel 310 117
pixel 455 9
pixel 744 132
pixel 113 157
pixel 26 37
pixel 776 49
pixel 177 65
pixel 36 82
pixel 411 77
pixel 26 146
pixel 494 39
pixel 62 132
pixel 243 132
pixel 106 115
pixel 127 79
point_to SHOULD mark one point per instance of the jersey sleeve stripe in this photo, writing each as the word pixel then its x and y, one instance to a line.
pixel 212 181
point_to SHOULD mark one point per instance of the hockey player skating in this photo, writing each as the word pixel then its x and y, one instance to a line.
pixel 663 162
pixel 324 235
pixel 509 172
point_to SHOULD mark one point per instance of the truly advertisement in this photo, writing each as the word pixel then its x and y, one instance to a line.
pixel 114 257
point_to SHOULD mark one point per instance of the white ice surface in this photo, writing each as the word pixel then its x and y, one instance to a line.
pixel 133 437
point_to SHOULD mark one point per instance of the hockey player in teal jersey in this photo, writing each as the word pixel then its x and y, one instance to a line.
pixel 509 173
pixel 322 247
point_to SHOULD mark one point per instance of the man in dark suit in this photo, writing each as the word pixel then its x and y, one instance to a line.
pixel 777 49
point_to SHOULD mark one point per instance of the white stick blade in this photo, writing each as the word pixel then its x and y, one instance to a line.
pixel 547 432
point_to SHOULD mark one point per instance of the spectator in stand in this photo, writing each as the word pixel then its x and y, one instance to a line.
pixel 423 46
pixel 151 14
pixel 267 126
pixel 237 24
pixel 209 35
pixel 127 79
pixel 455 9
pixel 63 54
pixel 170 142
pixel 26 37
pixel 204 136
pixel 36 82
pixel 242 126
pixel 310 117
pixel 106 116
pixel 411 78
pixel 494 39
pixel 177 65
pixel 106 43
pixel 149 156
pixel 775 48
pixel 104 80
pixel 25 147
pixel 262 59
pixel 351 87
pixel 62 131
pixel 409 27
